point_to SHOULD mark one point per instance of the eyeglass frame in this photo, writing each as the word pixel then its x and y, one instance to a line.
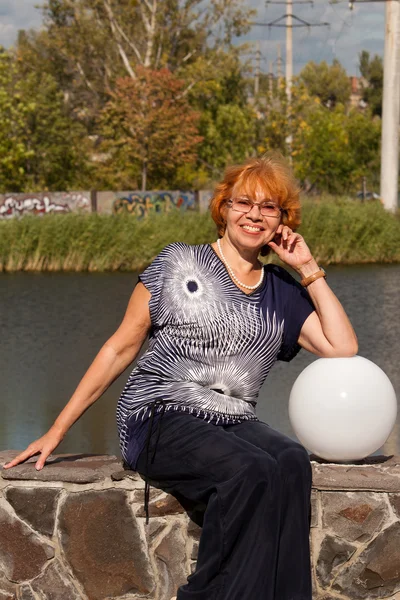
pixel 230 202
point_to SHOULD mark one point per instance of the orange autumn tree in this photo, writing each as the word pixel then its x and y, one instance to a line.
pixel 149 128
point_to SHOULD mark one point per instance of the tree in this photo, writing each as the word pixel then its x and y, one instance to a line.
pixel 149 123
pixel 13 111
pixel 227 122
pixel 329 83
pixel 364 133
pixel 91 43
pixel 40 146
pixel 321 150
pixel 372 72
pixel 229 133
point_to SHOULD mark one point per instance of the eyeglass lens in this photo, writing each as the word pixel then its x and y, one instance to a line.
pixel 244 205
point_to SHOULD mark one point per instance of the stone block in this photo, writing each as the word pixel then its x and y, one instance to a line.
pixel 394 500
pixel 314 509
pixel 7 589
pixel 122 474
pixel 138 495
pixel 171 562
pixel 376 571
pixel 37 506
pixel 373 473
pixel 195 550
pixel 70 468
pixel 333 553
pixel 25 593
pixel 101 541
pixel 194 530
pixel 353 516
pixel 155 527
pixel 167 505
pixel 55 584
pixel 23 554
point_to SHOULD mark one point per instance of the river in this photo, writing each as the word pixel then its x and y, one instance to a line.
pixel 52 325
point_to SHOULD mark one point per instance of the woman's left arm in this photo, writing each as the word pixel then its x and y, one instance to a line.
pixel 327 332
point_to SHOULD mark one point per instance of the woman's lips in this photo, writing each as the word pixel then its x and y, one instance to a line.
pixel 252 229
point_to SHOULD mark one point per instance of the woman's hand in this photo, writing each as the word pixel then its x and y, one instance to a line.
pixel 43 446
pixel 290 247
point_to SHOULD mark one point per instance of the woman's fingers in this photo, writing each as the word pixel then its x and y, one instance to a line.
pixel 31 450
pixel 42 459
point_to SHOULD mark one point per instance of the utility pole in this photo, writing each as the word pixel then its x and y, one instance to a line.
pixel 291 21
pixel 271 77
pixel 391 107
pixel 289 50
pixel 279 63
pixel 258 69
pixel 390 103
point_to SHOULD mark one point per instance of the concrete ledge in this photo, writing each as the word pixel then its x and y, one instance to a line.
pixel 76 530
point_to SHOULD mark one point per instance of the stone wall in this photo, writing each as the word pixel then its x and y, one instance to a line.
pixel 76 530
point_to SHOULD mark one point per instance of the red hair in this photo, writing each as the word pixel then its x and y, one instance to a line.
pixel 270 173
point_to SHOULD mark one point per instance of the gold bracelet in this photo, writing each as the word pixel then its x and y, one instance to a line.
pixel 321 273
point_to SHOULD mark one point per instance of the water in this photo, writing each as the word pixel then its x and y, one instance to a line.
pixel 52 325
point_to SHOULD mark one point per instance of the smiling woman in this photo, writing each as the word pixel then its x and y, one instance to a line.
pixel 271 181
pixel 217 321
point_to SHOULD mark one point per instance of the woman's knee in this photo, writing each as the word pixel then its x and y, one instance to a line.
pixel 294 459
pixel 260 469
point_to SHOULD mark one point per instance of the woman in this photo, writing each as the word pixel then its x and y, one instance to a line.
pixel 218 320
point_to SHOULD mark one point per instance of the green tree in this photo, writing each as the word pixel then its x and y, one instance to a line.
pixel 227 122
pixel 14 110
pixel 58 144
pixel 149 127
pixel 91 43
pixel 229 133
pixel 40 146
pixel 364 133
pixel 321 149
pixel 329 83
pixel 372 72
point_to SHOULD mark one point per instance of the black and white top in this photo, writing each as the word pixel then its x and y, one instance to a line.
pixel 211 345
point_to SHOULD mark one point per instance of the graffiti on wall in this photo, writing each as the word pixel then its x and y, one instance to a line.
pixel 142 204
pixel 17 205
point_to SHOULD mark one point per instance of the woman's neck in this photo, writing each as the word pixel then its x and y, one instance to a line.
pixel 243 260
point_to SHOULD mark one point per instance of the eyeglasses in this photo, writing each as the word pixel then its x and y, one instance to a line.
pixel 244 205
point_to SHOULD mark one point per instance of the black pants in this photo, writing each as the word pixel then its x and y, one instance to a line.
pixel 250 486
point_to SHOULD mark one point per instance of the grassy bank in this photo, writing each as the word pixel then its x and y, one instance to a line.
pixel 337 231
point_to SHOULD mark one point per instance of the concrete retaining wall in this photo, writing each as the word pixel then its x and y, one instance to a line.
pixel 76 530
pixel 136 203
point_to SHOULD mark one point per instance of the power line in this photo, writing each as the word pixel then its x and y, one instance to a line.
pixel 291 21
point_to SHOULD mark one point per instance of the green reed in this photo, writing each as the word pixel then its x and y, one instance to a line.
pixel 337 230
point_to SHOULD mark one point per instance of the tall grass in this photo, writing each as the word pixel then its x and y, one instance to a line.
pixel 337 231
pixel 342 231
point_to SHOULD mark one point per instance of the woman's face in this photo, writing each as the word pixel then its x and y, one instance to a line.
pixel 250 231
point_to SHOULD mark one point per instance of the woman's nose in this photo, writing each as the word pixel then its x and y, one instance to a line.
pixel 254 215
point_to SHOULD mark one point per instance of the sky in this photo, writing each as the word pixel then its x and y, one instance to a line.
pixel 349 31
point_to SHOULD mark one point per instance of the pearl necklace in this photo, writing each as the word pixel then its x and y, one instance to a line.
pixel 232 274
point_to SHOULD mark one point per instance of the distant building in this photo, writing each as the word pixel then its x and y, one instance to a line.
pixel 357 88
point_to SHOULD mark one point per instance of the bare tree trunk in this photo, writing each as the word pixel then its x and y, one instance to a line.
pixel 144 175
pixel 150 26
pixel 121 51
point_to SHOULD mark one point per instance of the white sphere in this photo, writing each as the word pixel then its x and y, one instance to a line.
pixel 342 409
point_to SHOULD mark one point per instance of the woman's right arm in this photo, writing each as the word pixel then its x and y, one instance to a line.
pixel 119 351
